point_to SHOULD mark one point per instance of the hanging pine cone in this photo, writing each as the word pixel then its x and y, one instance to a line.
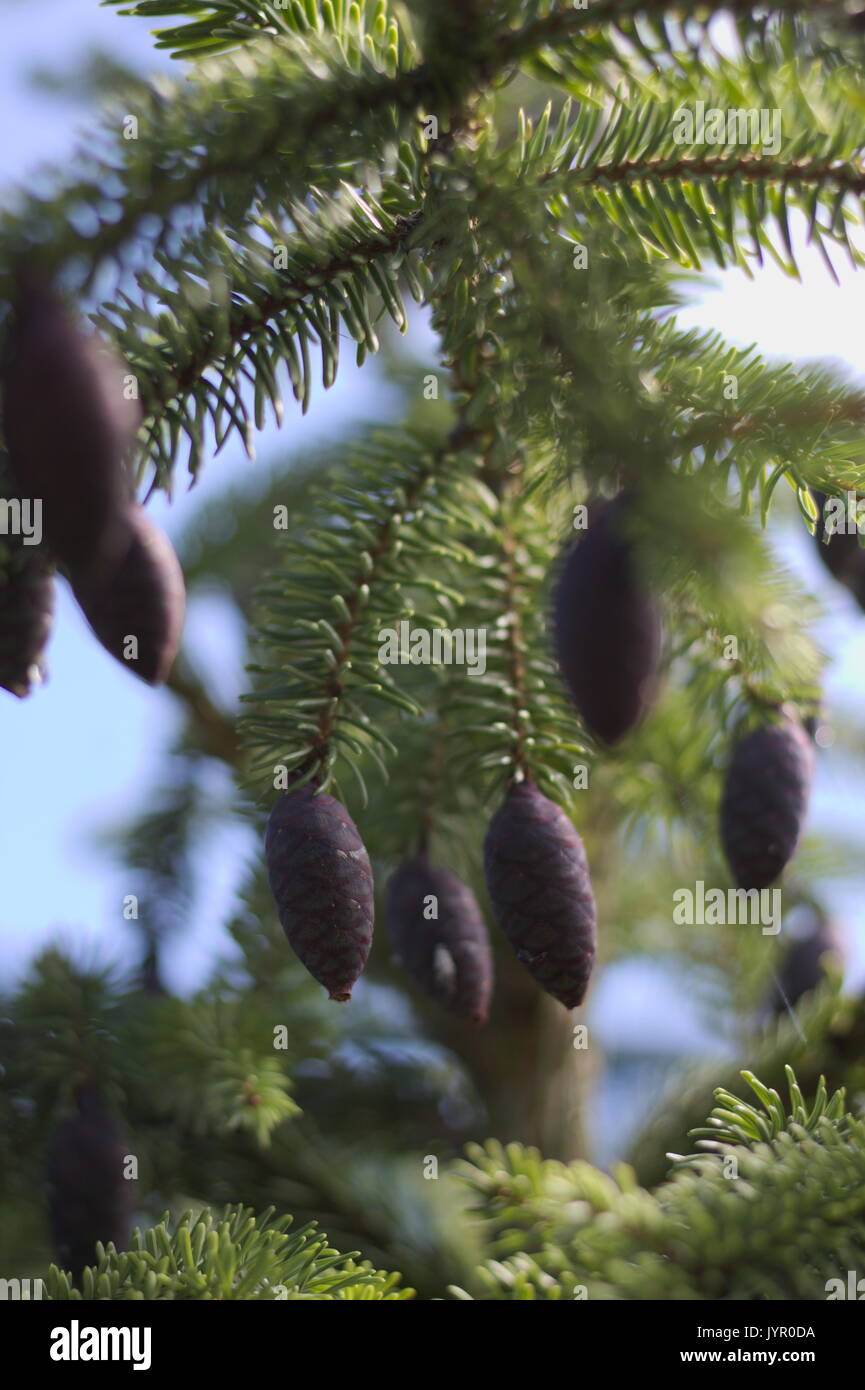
pixel 137 609
pixel 67 426
pixel 841 553
pixel 447 955
pixel 321 880
pixel 606 626
pixel 538 881
pixel 803 965
pixel 764 802
pixel 89 1199
pixel 26 615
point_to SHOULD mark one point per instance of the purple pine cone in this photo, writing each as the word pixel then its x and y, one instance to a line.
pixel 538 880
pixel 26 617
pixel 764 802
pixel 606 627
pixel 138 607
pixel 803 965
pixel 67 424
pixel 321 879
pixel 447 956
pixel 840 551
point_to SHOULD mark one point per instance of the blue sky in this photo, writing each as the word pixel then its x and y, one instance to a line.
pixel 77 756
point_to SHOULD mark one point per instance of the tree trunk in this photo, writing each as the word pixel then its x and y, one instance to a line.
pixel 527 1071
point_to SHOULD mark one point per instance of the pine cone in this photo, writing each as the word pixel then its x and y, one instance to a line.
pixel 538 881
pixel 142 597
pixel 842 554
pixel 606 627
pixel 447 956
pixel 802 967
pixel 67 427
pixel 764 802
pixel 89 1199
pixel 321 879
pixel 26 617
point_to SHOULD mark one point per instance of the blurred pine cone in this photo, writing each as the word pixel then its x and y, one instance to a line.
pixel 138 606
pixel 26 616
pixel 803 964
pixel 68 423
pixel 840 551
pixel 89 1199
pixel 606 626
pixel 448 956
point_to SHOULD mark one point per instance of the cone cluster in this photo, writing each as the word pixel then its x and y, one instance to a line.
pixel 607 635
pixel 69 424
pixel 537 878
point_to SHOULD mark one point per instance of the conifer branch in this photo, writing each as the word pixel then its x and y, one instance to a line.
pixel 198 146
pixel 770 1231
pixel 212 727
pixel 516 657
pixel 343 269
pixel 829 1041
pixel 227 1254
pixel 362 572
pixel 547 36
pixel 717 167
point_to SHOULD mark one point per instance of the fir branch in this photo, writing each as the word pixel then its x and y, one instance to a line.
pixel 355 561
pixel 829 1041
pixel 193 352
pixel 637 163
pixel 227 1254
pixel 197 146
pixel 849 178
pixel 217 1068
pixel 432 783
pixel 219 25
pixel 213 730
pixel 734 1121
pixel 768 1230
pixel 806 418
pixel 573 44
